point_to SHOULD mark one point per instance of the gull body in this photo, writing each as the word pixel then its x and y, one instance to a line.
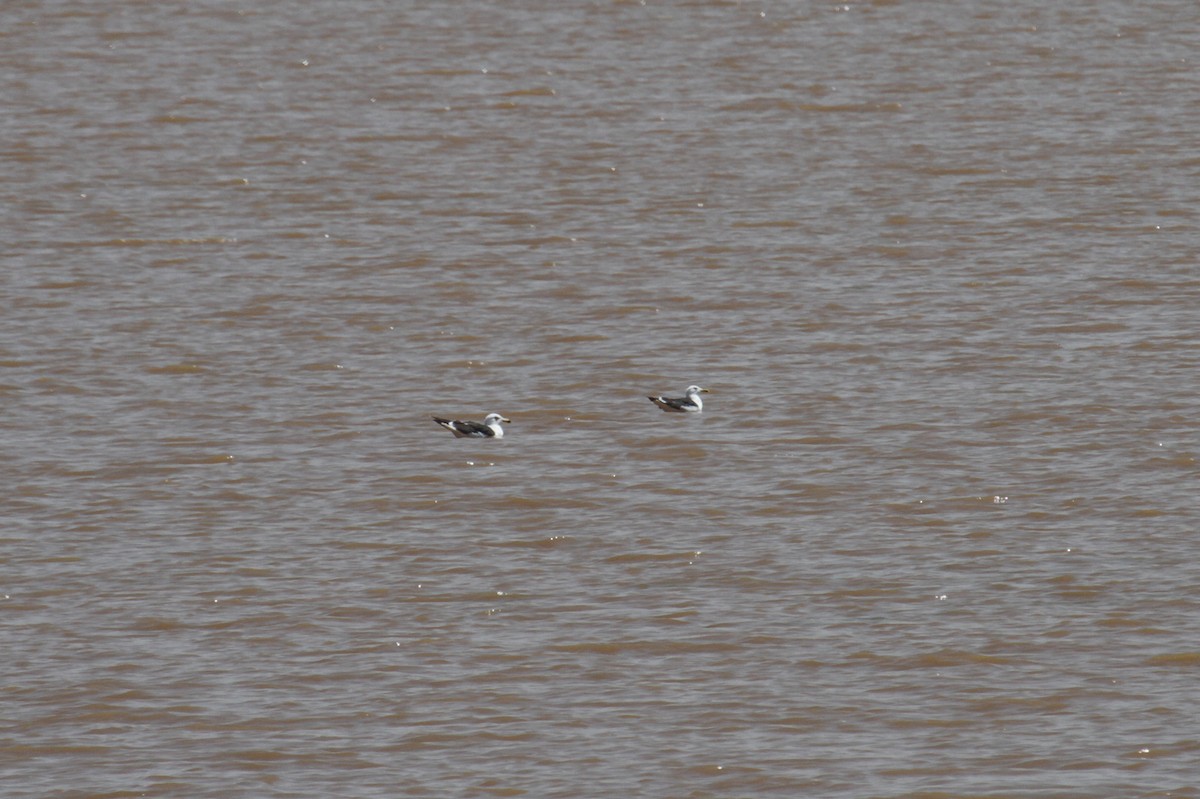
pixel 488 428
pixel 690 402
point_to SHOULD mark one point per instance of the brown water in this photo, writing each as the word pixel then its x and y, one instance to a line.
pixel 934 534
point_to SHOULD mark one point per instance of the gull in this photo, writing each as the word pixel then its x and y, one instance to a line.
pixel 488 428
pixel 688 403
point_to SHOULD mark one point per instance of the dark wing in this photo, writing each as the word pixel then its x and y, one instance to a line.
pixel 673 403
pixel 461 428
pixel 474 429
pixel 679 402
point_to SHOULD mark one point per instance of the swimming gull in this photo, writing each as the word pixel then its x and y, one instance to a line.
pixel 488 428
pixel 689 403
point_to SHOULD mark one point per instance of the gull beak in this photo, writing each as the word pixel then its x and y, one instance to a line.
pixel 506 421
pixel 705 391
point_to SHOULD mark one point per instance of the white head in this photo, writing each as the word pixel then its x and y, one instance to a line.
pixel 495 418
pixel 694 390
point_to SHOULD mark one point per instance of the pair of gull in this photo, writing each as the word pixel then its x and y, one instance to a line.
pixel 490 426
